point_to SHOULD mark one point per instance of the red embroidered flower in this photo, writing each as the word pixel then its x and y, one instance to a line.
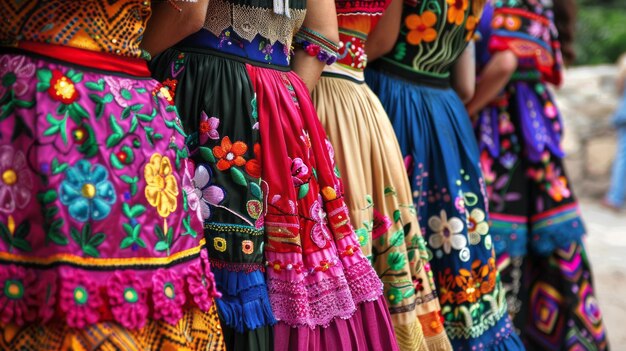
pixel 253 167
pixel 230 154
pixel 62 88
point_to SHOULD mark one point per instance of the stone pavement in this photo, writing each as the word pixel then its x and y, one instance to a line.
pixel 606 243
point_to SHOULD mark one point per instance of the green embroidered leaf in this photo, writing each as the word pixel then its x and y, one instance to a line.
pixel 128 241
pixel 44 76
pixel 133 125
pixel 136 107
pixel 411 254
pixel 5 234
pixel 147 118
pixel 141 243
pixel 125 113
pixel 78 112
pixel 107 98
pixel 55 235
pixel 188 229
pixel 117 134
pixel 115 161
pixel 22 244
pixel 23 103
pixel 97 239
pixel 136 230
pixel 58 167
pixel 390 191
pixel 408 293
pixel 75 234
pixel 91 251
pixel 303 191
pixel 397 239
pixel 337 173
pixel 126 94
pixel 22 230
pixel 396 215
pixel 128 229
pixel 369 200
pixel 50 212
pixel 255 190
pixel 407 229
pixel 47 197
pixel 238 176
pixel 396 261
pixel 207 154
pixel 133 212
pixel 99 86
pixel 161 246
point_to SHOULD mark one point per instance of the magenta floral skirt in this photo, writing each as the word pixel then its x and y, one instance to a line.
pixel 95 222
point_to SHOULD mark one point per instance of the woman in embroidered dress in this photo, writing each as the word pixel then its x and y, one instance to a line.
pixel 535 218
pixel 435 136
pixel 101 245
pixel 273 202
pixel 378 193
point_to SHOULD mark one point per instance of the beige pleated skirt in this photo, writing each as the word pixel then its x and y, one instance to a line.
pixel 378 194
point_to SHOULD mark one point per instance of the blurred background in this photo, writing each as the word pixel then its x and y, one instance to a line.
pixel 587 99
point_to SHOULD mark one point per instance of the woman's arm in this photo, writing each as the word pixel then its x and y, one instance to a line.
pixel 492 80
pixel 382 39
pixel 464 74
pixel 169 24
pixel 321 17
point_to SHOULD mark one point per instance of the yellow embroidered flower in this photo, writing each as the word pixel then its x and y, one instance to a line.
pixel 456 11
pixel 161 186
pixel 219 244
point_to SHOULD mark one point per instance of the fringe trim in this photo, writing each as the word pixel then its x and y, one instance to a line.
pixel 439 342
pixel 411 337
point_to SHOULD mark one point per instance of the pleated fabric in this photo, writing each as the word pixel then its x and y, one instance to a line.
pixel 381 207
pixel 435 136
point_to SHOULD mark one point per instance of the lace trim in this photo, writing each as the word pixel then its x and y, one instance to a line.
pixel 317 304
pixel 250 21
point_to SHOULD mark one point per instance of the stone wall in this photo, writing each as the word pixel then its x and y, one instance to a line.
pixel 587 100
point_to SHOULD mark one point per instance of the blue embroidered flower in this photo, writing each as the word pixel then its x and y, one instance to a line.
pixel 87 191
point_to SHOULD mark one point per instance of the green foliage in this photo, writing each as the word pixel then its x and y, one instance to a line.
pixel 600 31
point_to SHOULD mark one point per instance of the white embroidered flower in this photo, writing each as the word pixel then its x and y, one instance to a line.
pixel 476 226
pixel 447 233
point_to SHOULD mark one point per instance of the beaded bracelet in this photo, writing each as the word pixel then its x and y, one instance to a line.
pixel 315 44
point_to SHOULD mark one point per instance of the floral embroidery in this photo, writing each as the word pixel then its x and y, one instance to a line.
pixel 247 247
pixel 230 154
pixel 420 27
pixel 476 226
pixel 381 224
pixel 79 299
pixel 121 90
pixel 470 26
pixel 394 296
pixel 192 193
pixel 168 296
pixel 17 296
pixel 319 233
pixel 208 128
pixel 200 282
pixel 87 191
pixel 220 244
pixel 62 88
pixel 299 171
pixel 170 85
pixel 447 233
pixel 161 186
pixel 474 283
pixel 209 194
pixel 128 299
pixel 16 181
pixel 456 11
pixel 15 73
pixel 253 167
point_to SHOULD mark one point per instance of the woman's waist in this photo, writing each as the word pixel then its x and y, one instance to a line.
pixel 260 51
pixel 405 73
